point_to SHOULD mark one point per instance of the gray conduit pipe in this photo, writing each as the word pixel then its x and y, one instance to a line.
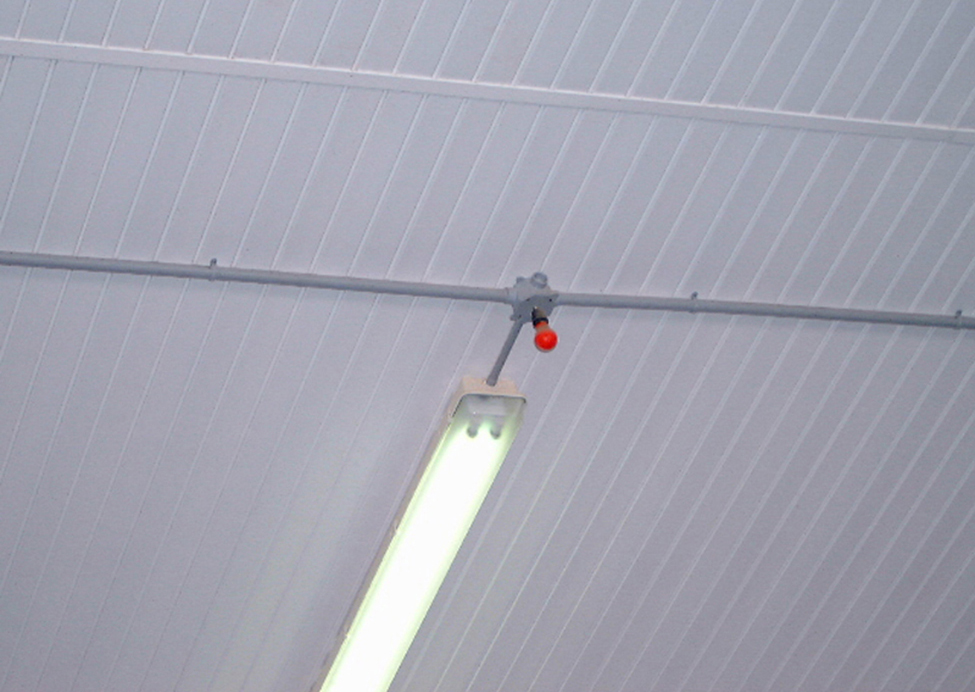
pixel 732 307
pixel 509 342
pixel 213 272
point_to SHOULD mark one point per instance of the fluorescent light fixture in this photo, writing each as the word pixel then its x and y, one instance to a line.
pixel 435 518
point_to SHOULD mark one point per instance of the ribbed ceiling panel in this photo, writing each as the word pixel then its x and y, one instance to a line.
pixel 191 167
pixel 884 59
pixel 196 476
pixel 779 516
pixel 142 504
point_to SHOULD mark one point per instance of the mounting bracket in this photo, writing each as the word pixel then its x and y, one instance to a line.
pixel 530 294
pixel 529 298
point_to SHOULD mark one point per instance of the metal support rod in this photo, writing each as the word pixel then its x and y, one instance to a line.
pixel 492 378
pixel 496 295
pixel 214 272
pixel 731 307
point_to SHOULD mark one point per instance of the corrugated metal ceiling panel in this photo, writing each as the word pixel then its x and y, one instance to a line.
pixel 892 59
pixel 311 178
pixel 746 517
pixel 195 476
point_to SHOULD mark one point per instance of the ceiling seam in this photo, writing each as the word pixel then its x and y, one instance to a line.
pixel 406 143
pixel 772 51
pixel 611 51
pixel 444 147
pixel 936 565
pixel 662 31
pixel 844 426
pixel 949 75
pixel 109 157
pixel 544 545
pixel 931 479
pixel 44 472
pixel 172 433
pixel 884 60
pixel 888 498
pixel 599 505
pixel 862 169
pixel 571 50
pixel 247 429
pixel 325 333
pixel 735 601
pixel 312 173
pixel 691 56
pixel 825 223
pixel 705 493
pixel 272 168
pixel 528 54
pixel 644 430
pixel 777 565
pixel 197 26
pixel 908 81
pixel 136 311
pixel 772 189
pixel 624 185
pixel 960 656
pixel 285 25
pixel 235 46
pixel 594 165
pixel 218 197
pixel 719 218
pixel 662 181
pixel 83 458
pixel 848 52
pixel 124 450
pixel 111 671
pixel 720 572
pixel 192 162
pixel 69 152
pixel 934 216
pixel 448 45
pixel 419 15
pixel 801 70
pixel 511 93
pixel 327 32
pixel 474 168
pixel 178 508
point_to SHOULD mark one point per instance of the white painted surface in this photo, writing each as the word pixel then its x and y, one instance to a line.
pixel 189 497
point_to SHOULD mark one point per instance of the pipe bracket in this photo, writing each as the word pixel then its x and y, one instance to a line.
pixel 529 294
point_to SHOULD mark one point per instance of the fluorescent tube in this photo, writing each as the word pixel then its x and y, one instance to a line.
pixel 482 423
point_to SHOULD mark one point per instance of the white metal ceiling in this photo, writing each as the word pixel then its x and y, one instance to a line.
pixel 195 476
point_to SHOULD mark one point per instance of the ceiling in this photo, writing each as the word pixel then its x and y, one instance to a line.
pixel 195 476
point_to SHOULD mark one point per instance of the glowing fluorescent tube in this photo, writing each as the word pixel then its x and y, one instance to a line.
pixel 481 427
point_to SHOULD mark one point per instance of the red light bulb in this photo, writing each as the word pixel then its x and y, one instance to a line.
pixel 545 337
